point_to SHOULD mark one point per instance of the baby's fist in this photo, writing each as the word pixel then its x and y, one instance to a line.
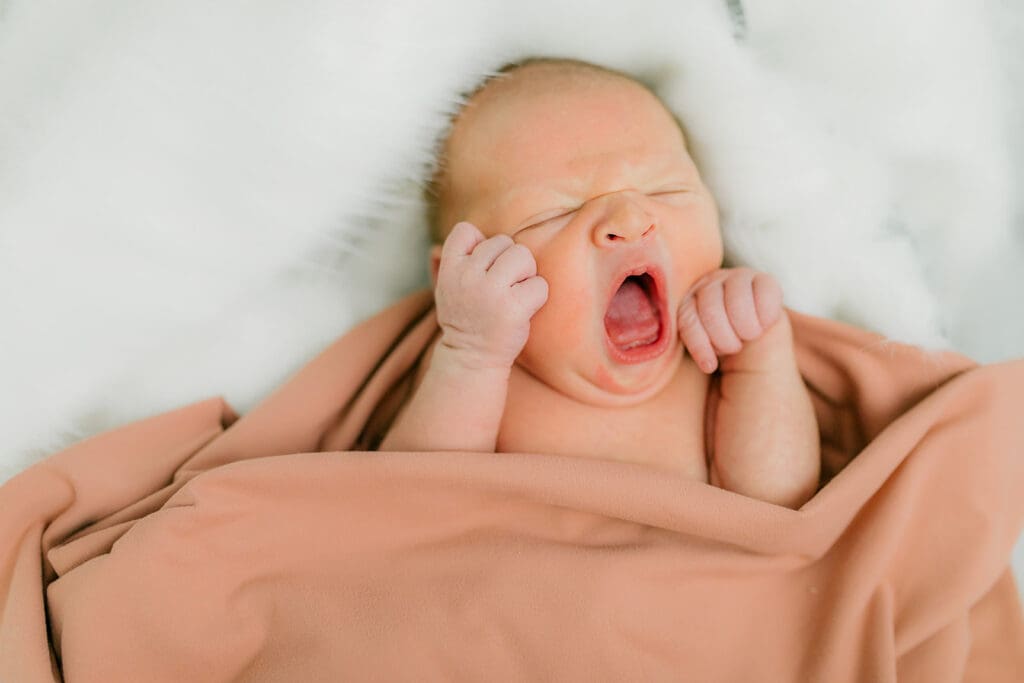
pixel 726 310
pixel 487 291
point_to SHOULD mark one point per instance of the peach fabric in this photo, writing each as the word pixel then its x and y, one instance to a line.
pixel 199 546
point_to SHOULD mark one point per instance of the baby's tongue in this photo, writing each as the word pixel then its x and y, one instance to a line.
pixel 631 319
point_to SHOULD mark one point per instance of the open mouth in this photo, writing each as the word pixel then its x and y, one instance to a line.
pixel 633 321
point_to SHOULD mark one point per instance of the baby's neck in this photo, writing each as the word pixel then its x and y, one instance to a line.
pixel 666 430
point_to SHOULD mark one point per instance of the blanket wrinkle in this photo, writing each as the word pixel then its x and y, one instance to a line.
pixel 202 545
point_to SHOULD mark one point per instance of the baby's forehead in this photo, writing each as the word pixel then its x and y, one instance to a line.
pixel 537 82
pixel 559 88
pixel 630 118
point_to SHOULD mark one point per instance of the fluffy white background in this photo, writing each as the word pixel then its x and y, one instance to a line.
pixel 195 197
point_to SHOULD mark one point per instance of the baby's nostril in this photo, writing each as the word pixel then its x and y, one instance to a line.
pixel 611 236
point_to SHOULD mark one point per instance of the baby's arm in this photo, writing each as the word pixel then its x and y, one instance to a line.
pixel 763 438
pixel 487 291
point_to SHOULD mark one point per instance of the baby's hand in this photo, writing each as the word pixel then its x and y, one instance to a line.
pixel 726 310
pixel 487 291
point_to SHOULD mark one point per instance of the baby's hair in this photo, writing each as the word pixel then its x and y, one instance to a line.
pixel 438 174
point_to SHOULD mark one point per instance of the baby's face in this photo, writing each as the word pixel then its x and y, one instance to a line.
pixel 595 179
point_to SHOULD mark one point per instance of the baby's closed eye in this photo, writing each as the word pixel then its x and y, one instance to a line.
pixel 673 195
pixel 548 217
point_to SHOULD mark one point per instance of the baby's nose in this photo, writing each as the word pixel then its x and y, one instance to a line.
pixel 624 221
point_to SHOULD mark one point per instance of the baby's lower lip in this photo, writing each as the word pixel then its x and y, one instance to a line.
pixel 640 353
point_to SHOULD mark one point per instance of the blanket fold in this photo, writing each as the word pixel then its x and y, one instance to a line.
pixel 200 545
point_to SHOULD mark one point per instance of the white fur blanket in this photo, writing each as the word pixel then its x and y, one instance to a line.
pixel 176 172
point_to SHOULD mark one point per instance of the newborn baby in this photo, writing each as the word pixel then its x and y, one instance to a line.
pixel 582 305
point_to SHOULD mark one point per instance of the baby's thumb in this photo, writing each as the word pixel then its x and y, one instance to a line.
pixel 462 240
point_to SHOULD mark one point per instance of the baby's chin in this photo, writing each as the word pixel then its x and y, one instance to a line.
pixel 600 381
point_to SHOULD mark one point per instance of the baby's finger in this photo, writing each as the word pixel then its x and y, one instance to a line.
pixel 486 252
pixel 460 242
pixel 739 304
pixel 767 299
pixel 711 307
pixel 514 264
pixel 710 276
pixel 531 293
pixel 695 339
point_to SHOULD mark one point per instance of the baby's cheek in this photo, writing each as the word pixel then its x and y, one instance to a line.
pixel 555 329
pixel 558 331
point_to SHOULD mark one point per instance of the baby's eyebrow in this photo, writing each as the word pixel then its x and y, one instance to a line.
pixel 569 189
pixel 536 198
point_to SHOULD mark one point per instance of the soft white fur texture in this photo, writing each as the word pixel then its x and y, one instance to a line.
pixel 196 197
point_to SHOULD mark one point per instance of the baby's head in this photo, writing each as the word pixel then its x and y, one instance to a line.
pixel 587 168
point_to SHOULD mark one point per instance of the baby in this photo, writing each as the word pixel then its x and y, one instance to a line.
pixel 582 263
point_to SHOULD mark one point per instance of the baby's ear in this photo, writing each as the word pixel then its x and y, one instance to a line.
pixel 435 264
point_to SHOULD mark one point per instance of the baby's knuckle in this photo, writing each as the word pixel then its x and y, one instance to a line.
pixel 522 253
pixel 502 239
pixel 513 254
pixel 711 311
pixel 768 283
pixel 739 304
pixel 492 285
pixel 688 316
pixel 703 297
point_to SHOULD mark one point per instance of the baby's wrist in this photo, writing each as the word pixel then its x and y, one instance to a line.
pixel 451 360
pixel 771 354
